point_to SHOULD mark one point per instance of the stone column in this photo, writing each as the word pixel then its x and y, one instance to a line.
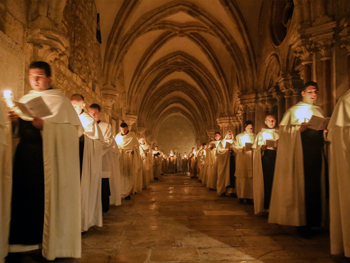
pixel 224 123
pixel 307 71
pixel 130 120
pixel 141 132
pixel 211 133
pixel 109 97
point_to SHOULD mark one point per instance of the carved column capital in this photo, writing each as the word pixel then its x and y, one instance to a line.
pixel 130 120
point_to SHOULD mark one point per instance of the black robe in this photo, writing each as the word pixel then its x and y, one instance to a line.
pixel 268 161
pixel 28 191
pixel 312 142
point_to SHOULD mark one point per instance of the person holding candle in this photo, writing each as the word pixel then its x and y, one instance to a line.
pixel 193 162
pixel 184 163
pixel 91 169
pixel 212 172
pixel 147 162
pixel 200 162
pixel 111 192
pixel 225 167
pixel 5 182
pixel 264 164
pixel 129 160
pixel 339 179
pixel 46 206
pixel 157 163
pixel 298 192
pixel 244 161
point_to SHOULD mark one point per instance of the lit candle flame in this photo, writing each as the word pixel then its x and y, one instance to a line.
pixel 8 98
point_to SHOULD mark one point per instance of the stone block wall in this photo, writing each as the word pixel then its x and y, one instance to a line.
pixel 175 133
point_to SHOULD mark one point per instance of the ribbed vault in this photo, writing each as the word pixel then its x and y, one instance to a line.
pixel 178 57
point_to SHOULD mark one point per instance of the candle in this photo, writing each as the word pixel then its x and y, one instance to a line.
pixel 245 138
pixel 8 99
pixel 267 136
pixel 303 114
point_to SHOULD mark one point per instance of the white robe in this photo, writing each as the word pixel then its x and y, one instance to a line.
pixel 339 176
pixel 193 164
pixel 5 183
pixel 91 203
pixel 179 162
pixel 147 164
pixel 62 215
pixel 287 205
pixel 110 163
pixel 200 163
pixel 212 173
pixel 244 166
pixel 129 163
pixel 258 176
pixel 223 165
pixel 157 164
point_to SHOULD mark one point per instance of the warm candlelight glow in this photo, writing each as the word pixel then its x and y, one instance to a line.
pixel 246 139
pixel 8 98
pixel 303 114
pixel 7 94
pixel 267 136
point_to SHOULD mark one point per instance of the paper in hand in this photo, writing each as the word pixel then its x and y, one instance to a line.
pixel 318 123
pixel 228 145
pixel 248 146
pixel 271 143
pixel 34 108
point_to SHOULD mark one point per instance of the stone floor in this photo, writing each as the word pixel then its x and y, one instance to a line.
pixel 179 220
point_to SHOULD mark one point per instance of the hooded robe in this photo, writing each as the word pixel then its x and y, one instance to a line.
pixel 61 237
pixel 91 176
pixel 339 176
pixel 294 190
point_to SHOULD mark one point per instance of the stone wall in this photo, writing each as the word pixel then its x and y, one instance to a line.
pixel 175 133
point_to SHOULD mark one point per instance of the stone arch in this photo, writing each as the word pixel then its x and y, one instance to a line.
pixel 244 63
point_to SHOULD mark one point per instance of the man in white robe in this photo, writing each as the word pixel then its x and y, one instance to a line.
pixel 223 154
pixel 212 172
pixel 5 183
pixel 192 163
pixel 46 186
pixel 298 191
pixel 129 160
pixel 184 163
pixel 264 164
pixel 178 161
pixel 147 162
pixel 200 162
pixel 91 170
pixel 339 177
pixel 111 191
pixel 244 164
pixel 157 163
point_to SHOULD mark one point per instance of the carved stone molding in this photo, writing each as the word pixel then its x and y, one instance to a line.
pixel 344 33
pixel 130 119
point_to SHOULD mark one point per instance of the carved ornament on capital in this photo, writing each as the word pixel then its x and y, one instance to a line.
pixel 290 85
pixel 49 41
pixel 130 119
pixel 344 34
pixel 109 97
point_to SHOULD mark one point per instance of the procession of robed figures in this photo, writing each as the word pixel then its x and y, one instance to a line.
pixel 67 169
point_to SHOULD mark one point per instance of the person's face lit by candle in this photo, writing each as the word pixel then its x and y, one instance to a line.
pixel 217 137
pixel 38 79
pixel 309 95
pixel 249 128
pixel 156 148
pixel 229 135
pixel 270 121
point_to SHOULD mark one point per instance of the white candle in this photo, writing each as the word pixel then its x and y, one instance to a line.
pixel 8 98
pixel 303 114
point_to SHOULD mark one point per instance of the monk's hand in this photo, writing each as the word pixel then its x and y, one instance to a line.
pixel 38 123
pixel 13 117
pixel 275 148
pixel 303 126
pixel 132 152
pixel 264 147
pixel 243 148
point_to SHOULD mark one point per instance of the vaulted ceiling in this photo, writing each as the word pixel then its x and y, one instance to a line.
pixel 189 58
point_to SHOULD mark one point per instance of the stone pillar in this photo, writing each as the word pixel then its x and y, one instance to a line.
pixel 108 99
pixel 141 132
pixel 130 120
pixel 307 71
pixel 211 133
pixel 224 123
pixel 328 98
pixel 345 40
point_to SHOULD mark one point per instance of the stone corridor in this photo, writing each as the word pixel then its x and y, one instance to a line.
pixel 179 220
